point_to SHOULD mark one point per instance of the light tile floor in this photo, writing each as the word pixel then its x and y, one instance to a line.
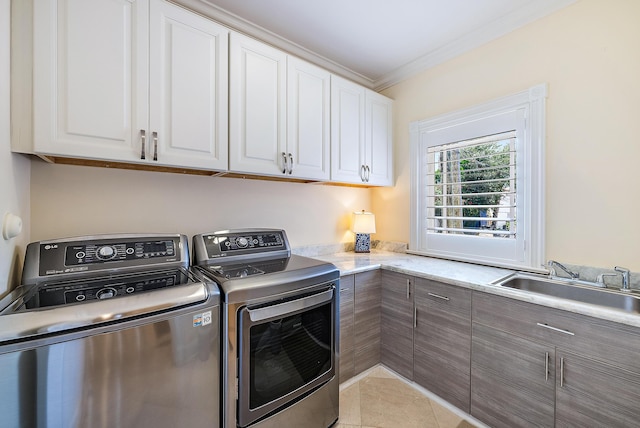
pixel 382 400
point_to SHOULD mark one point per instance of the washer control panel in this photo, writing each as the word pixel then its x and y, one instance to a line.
pixel 97 253
pixel 74 256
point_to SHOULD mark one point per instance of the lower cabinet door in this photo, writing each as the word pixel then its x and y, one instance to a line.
pixel 396 329
pixel 347 347
pixel 442 340
pixel 512 380
pixel 593 394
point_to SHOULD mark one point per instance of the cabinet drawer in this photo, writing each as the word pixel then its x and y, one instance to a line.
pixel 600 339
pixel 442 297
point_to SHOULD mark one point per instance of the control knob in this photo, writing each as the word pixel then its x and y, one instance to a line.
pixel 105 253
pixel 242 242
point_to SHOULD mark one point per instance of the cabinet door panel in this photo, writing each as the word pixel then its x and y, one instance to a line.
pixel 188 80
pixel 308 92
pixel 257 101
pixel 396 330
pixel 347 130
pixel 347 346
pixel 595 394
pixel 90 70
pixel 379 138
pixel 442 340
pixel 367 320
pixel 509 387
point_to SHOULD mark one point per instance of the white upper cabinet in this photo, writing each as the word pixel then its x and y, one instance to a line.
pixel 308 120
pixel 378 137
pixel 361 135
pixel 188 80
pixel 134 81
pixel 347 131
pixel 279 113
pixel 257 107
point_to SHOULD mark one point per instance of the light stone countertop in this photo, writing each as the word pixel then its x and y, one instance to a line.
pixel 468 275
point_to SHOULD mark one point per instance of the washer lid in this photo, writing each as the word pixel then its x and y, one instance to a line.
pixel 42 309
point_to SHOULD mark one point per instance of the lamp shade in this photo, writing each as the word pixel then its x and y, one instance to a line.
pixel 364 222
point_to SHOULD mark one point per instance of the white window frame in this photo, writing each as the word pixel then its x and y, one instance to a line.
pixel 524 112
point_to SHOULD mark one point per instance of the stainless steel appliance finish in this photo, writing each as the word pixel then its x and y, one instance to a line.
pixel 110 331
pixel 279 332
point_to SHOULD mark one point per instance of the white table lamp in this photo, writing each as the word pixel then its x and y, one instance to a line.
pixel 364 223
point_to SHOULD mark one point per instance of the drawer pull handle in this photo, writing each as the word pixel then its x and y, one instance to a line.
pixel 415 317
pixel 561 372
pixel 546 366
pixel 408 288
pixel 437 296
pixel 559 330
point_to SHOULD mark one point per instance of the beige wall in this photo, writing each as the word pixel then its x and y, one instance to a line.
pixel 74 200
pixel 589 54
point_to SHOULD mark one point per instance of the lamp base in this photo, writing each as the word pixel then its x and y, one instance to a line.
pixel 363 243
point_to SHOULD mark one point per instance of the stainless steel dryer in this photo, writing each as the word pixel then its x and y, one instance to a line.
pixel 279 329
pixel 110 331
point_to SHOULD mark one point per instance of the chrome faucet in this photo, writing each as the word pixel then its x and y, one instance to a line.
pixel 625 278
pixel 552 270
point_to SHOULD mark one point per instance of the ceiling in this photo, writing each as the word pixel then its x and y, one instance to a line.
pixel 381 42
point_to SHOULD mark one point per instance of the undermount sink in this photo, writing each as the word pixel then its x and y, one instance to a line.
pixel 569 289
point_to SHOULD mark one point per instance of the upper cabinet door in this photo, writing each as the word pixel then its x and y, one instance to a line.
pixel 89 73
pixel 379 139
pixel 347 131
pixel 257 105
pixel 308 147
pixel 188 83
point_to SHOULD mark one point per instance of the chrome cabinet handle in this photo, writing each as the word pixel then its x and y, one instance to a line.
pixel 546 366
pixel 437 296
pixel 284 163
pixel 408 288
pixel 362 170
pixel 143 137
pixel 155 145
pixel 368 171
pixel 290 164
pixel 559 330
pixel 561 372
pixel 415 317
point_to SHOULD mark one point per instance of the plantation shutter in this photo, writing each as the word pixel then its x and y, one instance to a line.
pixel 471 187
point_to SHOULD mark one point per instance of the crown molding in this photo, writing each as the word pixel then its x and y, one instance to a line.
pixel 248 28
pixel 476 38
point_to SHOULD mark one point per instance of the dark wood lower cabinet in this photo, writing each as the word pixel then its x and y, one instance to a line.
pixel 396 340
pixel 516 365
pixel 367 299
pixel 590 393
pixel 347 346
pixel 512 380
pixel 442 340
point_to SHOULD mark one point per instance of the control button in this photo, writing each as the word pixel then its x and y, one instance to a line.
pixel 106 293
pixel 80 254
pixel 80 297
pixel 255 242
pixel 242 242
pixel 130 290
pixel 106 252
pixel 130 250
